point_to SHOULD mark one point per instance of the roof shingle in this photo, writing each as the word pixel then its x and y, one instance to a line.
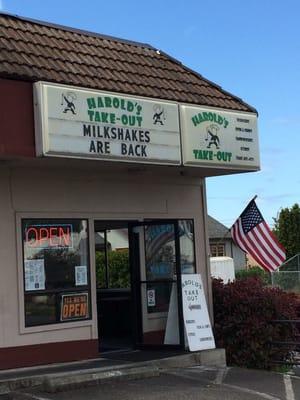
pixel 216 230
pixel 34 50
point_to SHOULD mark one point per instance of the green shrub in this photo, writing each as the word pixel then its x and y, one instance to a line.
pixel 118 269
pixel 243 312
pixel 254 272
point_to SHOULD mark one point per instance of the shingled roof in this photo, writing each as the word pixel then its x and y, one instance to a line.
pixel 34 50
pixel 216 230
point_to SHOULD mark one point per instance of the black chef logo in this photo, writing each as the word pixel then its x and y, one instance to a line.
pixel 212 136
pixel 159 115
pixel 67 100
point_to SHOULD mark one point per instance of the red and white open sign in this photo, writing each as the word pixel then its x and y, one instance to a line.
pixel 46 236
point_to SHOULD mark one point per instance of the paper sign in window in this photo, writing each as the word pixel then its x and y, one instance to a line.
pixel 81 275
pixel 34 275
pixel 151 298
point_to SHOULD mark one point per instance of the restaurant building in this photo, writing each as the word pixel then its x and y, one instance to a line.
pixel 105 145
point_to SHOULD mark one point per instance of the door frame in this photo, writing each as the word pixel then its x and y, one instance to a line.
pixel 136 282
pixel 110 224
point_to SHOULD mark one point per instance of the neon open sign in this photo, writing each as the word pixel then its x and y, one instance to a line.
pixel 45 236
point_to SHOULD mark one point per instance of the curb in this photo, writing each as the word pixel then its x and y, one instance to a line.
pixel 215 357
pixel 4 392
pixel 55 382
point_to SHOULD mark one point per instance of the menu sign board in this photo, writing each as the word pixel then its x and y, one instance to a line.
pixel 74 307
pixel 219 139
pixel 84 123
pixel 196 319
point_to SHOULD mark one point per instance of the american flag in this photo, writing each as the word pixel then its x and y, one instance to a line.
pixel 252 234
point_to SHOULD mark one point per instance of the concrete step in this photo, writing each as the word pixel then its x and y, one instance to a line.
pixel 64 380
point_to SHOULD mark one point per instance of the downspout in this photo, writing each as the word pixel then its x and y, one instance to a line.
pixel 207 258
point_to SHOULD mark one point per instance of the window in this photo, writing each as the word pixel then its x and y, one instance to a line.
pixel 187 246
pixel 56 270
pixel 160 263
pixel 217 250
pixel 160 257
pixel 112 259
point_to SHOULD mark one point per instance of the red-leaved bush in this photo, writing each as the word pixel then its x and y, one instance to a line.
pixel 243 314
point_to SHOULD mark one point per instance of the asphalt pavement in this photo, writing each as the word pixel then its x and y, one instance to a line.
pixel 205 383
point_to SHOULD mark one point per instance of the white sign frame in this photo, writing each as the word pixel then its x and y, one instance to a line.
pixel 218 138
pixel 197 325
pixel 74 122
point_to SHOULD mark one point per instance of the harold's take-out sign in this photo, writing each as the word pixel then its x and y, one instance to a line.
pixel 83 123
pixel 218 138
pixel 90 124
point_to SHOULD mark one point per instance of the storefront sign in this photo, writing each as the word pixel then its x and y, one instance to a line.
pixel 74 306
pixel 217 138
pixel 74 122
pixel 196 319
pixel 49 236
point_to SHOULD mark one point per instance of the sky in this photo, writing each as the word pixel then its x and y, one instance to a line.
pixel 249 48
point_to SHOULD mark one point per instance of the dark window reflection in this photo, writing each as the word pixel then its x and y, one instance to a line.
pixel 187 250
pixel 160 252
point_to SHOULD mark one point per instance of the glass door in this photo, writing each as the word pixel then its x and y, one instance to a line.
pixel 155 257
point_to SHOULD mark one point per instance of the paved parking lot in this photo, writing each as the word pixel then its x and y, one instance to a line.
pixel 189 384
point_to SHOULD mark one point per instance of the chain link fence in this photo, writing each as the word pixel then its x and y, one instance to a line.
pixel 288 275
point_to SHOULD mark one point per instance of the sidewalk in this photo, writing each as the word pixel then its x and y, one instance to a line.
pixel 181 383
pixel 127 364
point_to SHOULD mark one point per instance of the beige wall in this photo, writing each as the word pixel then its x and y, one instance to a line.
pixel 95 193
